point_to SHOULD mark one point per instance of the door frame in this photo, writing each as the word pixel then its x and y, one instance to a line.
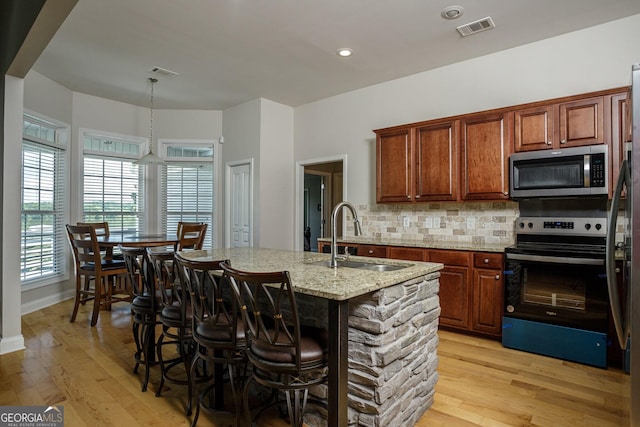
pixel 298 232
pixel 228 167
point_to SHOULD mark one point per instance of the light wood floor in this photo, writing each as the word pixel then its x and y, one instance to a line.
pixel 89 372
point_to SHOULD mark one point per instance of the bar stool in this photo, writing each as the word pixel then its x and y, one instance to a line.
pixel 176 319
pixel 218 332
pixel 283 355
pixel 144 306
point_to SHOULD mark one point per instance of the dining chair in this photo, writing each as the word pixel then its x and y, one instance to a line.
pixel 102 231
pixel 283 355
pixel 95 276
pixel 191 235
pixel 218 333
pixel 144 307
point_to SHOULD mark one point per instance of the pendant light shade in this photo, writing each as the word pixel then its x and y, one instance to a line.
pixel 150 158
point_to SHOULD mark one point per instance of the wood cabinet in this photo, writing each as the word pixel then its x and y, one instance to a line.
pixel 394 166
pixel 571 123
pixel 486 145
pixel 471 284
pixel 437 160
pixel 487 293
pixel 620 134
pixel 471 291
pixel 466 157
pixel 454 287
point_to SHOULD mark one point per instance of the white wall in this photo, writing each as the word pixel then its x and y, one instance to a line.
pixel 276 176
pixel 593 59
pixel 241 130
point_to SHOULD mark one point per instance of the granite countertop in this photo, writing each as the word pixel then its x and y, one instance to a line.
pixel 310 278
pixel 460 246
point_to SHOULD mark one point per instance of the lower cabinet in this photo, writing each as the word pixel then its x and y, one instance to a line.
pixel 487 294
pixel 471 291
pixel 471 284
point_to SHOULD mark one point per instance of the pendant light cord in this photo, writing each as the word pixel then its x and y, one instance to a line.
pixel 153 81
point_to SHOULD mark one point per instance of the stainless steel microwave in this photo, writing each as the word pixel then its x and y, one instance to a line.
pixel 576 171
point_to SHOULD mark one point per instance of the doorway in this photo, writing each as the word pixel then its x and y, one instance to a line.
pixel 320 188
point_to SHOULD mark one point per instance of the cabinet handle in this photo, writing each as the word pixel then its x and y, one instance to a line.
pixel 417 197
pixel 486 261
pixel 564 141
pixel 617 270
pixel 370 251
pixel 497 277
pixel 408 197
pixel 549 143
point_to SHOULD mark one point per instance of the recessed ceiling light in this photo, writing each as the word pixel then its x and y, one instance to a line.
pixel 345 51
pixel 452 12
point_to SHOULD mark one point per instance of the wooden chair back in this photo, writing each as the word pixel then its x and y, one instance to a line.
pixel 85 247
pixel 191 235
pixel 212 300
pixel 269 313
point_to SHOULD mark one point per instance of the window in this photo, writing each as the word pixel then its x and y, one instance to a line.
pixel 43 200
pixel 187 185
pixel 113 188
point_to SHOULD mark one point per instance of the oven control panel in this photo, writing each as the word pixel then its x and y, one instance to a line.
pixel 562 226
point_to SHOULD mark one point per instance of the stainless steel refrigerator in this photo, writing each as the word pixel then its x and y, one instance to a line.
pixel 624 295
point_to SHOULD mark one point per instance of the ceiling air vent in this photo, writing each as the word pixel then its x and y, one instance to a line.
pixel 476 26
pixel 163 72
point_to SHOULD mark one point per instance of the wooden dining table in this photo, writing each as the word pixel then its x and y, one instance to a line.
pixel 129 239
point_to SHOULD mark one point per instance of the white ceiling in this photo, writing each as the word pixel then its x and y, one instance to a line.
pixel 228 52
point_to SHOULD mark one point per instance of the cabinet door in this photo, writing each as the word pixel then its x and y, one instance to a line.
pixel 486 306
pixel 534 128
pixel 454 297
pixel 582 122
pixel 437 162
pixel 486 144
pixel 393 163
pixel 620 133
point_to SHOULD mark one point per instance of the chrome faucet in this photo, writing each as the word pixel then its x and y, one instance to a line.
pixel 356 224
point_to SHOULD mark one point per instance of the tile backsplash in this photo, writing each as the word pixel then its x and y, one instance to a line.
pixel 474 222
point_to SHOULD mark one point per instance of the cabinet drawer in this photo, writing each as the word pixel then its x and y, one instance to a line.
pixel 459 258
pixel 372 251
pixel 487 260
pixel 409 254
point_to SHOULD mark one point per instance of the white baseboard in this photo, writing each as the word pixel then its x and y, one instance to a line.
pixel 11 344
pixel 36 305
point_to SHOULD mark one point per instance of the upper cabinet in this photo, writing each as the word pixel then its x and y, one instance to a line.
pixel 486 141
pixel 466 157
pixel 560 124
pixel 394 166
pixel 620 133
pixel 437 161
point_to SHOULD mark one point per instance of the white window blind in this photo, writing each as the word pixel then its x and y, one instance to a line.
pixel 188 196
pixel 113 192
pixel 43 199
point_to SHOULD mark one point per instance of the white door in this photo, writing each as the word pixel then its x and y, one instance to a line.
pixel 239 195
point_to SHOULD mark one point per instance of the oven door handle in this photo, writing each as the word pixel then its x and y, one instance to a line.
pixel 556 259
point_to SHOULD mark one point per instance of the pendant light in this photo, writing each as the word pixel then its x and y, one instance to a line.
pixel 150 158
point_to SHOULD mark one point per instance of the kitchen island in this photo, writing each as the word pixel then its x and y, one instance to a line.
pixel 382 328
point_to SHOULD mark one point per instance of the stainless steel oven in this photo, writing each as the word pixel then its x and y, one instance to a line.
pixel 556 298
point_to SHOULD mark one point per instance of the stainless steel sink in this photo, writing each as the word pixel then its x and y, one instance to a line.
pixel 373 266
